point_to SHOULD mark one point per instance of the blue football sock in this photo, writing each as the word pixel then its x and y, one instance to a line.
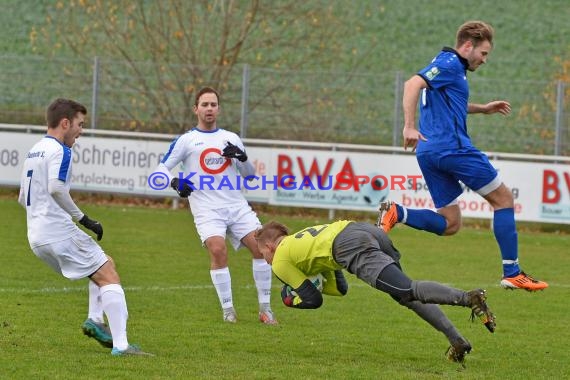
pixel 423 219
pixel 505 231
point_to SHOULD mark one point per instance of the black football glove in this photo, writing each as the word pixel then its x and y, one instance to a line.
pixel 233 151
pixel 92 225
pixel 309 297
pixel 184 188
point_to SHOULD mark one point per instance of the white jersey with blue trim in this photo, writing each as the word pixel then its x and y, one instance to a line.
pixel 47 221
pixel 216 178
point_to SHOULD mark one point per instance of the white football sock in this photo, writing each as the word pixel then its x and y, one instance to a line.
pixel 223 283
pixel 95 307
pixel 115 307
pixel 262 278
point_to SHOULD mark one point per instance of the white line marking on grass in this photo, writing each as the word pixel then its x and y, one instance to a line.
pixel 156 288
pixel 127 288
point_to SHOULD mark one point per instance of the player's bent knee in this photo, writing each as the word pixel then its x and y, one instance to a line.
pixel 219 259
pixel 402 295
pixel 106 275
pixel 218 251
pixel 111 261
pixel 453 226
pixel 452 230
pixel 403 298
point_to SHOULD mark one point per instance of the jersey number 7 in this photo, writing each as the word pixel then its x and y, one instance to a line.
pixel 29 175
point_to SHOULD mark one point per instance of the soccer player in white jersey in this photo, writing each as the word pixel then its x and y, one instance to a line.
pixel 214 161
pixel 56 239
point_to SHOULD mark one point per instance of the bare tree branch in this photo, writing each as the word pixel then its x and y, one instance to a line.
pixel 172 47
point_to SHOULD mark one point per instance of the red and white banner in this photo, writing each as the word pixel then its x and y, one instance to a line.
pixel 304 177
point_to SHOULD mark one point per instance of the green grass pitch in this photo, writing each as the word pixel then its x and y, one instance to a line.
pixel 174 312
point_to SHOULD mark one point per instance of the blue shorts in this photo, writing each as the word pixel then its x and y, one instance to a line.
pixel 442 172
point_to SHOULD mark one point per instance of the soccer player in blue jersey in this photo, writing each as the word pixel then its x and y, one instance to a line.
pixel 446 155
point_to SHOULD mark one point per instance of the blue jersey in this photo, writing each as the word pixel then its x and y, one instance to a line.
pixel 443 105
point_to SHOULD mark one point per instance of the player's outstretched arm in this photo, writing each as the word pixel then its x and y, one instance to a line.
pixel 497 106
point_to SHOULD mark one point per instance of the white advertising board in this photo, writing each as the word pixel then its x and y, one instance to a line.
pixel 303 177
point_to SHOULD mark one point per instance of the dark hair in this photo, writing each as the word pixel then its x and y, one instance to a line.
pixel 206 90
pixel 271 231
pixel 61 109
pixel 474 31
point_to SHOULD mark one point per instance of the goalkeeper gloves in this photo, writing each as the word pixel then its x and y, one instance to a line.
pixel 92 225
pixel 287 296
pixel 184 188
pixel 305 296
pixel 233 151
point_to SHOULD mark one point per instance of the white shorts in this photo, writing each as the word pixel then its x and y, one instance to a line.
pixel 75 258
pixel 237 222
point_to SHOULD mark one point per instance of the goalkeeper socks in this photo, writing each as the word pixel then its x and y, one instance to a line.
pixel 223 283
pixel 115 307
pixel 505 231
pixel 422 219
pixel 432 314
pixel 434 292
pixel 95 306
pixel 262 278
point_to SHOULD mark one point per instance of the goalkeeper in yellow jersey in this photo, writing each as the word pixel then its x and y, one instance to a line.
pixel 365 251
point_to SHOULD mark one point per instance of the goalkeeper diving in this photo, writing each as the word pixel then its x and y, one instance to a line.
pixel 367 252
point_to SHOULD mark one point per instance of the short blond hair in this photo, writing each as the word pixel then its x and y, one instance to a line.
pixel 474 31
pixel 270 232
